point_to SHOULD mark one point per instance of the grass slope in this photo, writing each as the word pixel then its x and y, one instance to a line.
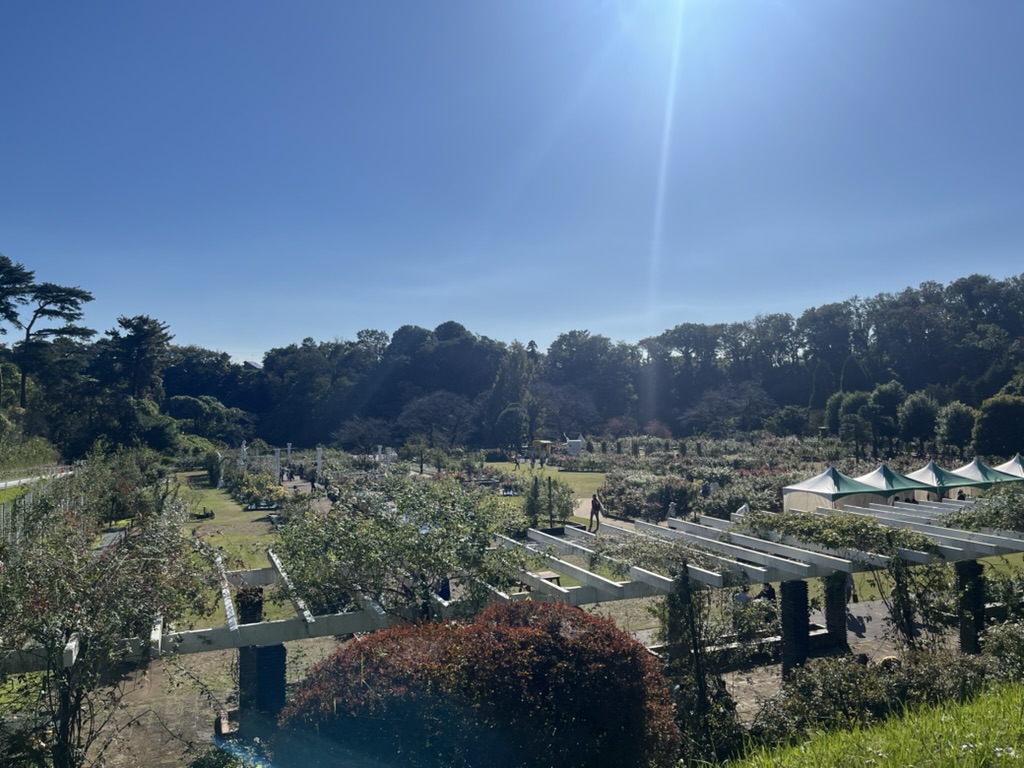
pixel 987 731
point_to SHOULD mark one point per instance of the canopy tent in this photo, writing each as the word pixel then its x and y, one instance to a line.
pixel 940 481
pixel 892 482
pixel 1014 466
pixel 828 488
pixel 977 470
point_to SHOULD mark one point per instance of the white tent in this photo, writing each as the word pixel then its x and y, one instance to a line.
pixel 892 483
pixel 940 481
pixel 830 489
pixel 984 475
pixel 1014 466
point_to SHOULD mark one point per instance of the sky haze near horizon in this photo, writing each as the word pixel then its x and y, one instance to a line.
pixel 253 174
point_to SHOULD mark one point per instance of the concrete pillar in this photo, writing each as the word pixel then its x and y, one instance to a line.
pixel 795 625
pixel 270 679
pixel 261 670
pixel 250 611
pixel 835 609
pixel 970 584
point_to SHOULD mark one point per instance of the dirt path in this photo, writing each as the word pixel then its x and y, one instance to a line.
pixel 866 632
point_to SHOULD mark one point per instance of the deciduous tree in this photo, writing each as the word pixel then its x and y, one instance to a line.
pixel 394 544
pixel 1000 425
pixel 72 596
pixel 917 418
pixel 955 426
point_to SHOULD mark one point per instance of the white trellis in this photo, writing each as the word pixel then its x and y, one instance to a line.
pixel 770 558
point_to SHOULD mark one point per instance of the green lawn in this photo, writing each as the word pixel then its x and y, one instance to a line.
pixel 583 484
pixel 242 537
pixel 14 492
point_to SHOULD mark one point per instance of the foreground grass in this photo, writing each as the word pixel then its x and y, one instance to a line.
pixel 984 732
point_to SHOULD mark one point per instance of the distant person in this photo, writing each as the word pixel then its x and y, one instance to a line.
pixel 595 513
pixel 767 592
pixel 743 596
pixel 671 509
pixel 960 495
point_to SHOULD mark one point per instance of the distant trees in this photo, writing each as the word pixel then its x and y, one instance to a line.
pixel 963 342
pixel 48 303
pixel 15 283
pixel 954 427
pixel 886 400
pixel 917 417
pixel 136 352
pixel 999 426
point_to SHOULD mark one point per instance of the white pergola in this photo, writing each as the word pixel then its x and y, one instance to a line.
pixel 773 557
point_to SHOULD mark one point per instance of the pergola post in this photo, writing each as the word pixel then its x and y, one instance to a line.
pixel 970 584
pixel 261 669
pixel 795 625
pixel 250 611
pixel 835 609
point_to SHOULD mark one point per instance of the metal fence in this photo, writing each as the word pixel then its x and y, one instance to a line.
pixel 12 512
pixel 11 515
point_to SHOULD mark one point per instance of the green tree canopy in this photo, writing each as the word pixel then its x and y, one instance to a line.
pixel 999 427
pixel 917 418
pixel 49 303
pixel 396 541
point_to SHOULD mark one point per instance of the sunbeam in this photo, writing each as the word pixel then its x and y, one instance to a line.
pixel 664 162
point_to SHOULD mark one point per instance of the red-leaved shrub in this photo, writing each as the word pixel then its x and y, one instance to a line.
pixel 525 684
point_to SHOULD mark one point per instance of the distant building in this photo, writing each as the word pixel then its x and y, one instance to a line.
pixel 573 447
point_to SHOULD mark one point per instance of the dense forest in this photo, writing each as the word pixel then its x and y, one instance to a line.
pixel 936 362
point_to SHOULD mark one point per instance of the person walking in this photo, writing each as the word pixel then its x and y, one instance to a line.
pixel 595 513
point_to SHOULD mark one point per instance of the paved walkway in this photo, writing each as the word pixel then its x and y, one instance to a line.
pixel 867 633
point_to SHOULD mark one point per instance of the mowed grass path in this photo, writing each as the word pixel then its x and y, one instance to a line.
pixel 241 537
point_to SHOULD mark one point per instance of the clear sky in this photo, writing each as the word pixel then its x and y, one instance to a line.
pixel 254 173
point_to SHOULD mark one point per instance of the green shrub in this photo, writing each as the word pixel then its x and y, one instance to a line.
pixel 1004 646
pixel 841 693
pixel 643 494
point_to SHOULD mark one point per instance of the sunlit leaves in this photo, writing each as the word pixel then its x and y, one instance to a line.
pixel 395 543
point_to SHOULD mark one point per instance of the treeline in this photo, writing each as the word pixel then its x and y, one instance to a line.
pixel 847 367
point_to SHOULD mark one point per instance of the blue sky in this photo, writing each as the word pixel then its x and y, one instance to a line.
pixel 254 173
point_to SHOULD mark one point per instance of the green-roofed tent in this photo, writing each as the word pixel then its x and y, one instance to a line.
pixel 830 489
pixel 1014 466
pixel 940 481
pixel 892 483
pixel 977 470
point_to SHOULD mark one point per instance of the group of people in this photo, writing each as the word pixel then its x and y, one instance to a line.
pixel 767 593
